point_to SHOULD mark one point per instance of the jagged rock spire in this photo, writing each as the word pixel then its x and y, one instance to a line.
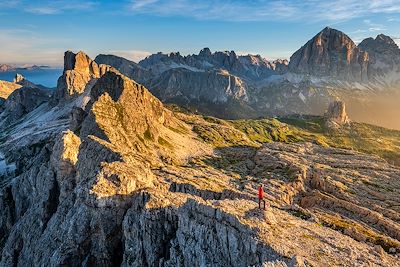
pixel 79 72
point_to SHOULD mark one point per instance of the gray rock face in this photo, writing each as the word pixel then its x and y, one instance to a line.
pixel 21 102
pixel 336 114
pixel 384 55
pixel 210 86
pixel 186 233
pixel 331 53
pixel 20 79
pixel 127 67
pixel 76 118
pixel 209 78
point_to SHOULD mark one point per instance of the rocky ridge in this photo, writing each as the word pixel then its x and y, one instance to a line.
pixel 19 98
pixel 113 178
pixel 330 66
pixel 79 72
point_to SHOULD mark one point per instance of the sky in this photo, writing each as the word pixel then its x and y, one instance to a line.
pixel 38 32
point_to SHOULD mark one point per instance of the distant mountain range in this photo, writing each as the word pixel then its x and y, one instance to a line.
pixel 327 67
pixel 6 67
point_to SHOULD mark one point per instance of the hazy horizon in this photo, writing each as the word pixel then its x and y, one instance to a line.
pixel 39 32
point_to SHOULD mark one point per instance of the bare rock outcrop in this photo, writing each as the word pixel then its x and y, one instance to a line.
pixel 338 188
pixel 384 55
pixel 188 87
pixel 20 102
pixel 336 115
pixel 20 79
pixel 80 73
pixel 6 88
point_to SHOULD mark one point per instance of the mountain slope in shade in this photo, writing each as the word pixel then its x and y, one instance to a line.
pixel 384 55
pixel 129 68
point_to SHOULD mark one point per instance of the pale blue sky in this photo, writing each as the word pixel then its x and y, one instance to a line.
pixel 38 32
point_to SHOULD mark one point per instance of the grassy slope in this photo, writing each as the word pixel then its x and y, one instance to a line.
pixel 359 136
pixel 253 132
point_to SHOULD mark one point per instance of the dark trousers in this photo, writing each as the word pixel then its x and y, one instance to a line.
pixel 259 202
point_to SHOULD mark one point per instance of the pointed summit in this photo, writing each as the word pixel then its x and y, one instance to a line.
pixel 384 54
pixel 205 52
pixel 79 72
pixel 20 79
pixel 331 53
pixel 381 42
pixel 385 39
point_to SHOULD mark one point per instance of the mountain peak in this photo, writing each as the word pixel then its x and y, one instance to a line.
pixel 18 78
pixel 381 44
pixel 333 38
pixel 79 71
pixel 330 53
pixel 205 52
pixel 78 61
pixel 327 28
pixel 385 39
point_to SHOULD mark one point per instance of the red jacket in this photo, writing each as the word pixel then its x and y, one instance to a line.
pixel 260 193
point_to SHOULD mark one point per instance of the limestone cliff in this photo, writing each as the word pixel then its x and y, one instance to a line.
pixel 336 115
pixel 80 73
pixel 384 56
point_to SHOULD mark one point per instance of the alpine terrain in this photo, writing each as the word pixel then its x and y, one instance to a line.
pixel 102 173
pixel 327 67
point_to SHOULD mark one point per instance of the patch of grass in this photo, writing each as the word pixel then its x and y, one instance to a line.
pixel 266 130
pixel 147 135
pixel 360 137
pixel 299 214
pixel 221 136
pixel 165 143
pixel 179 129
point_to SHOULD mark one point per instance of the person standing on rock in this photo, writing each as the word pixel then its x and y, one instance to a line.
pixel 261 196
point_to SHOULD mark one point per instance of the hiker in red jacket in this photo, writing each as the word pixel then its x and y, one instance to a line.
pixel 260 196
